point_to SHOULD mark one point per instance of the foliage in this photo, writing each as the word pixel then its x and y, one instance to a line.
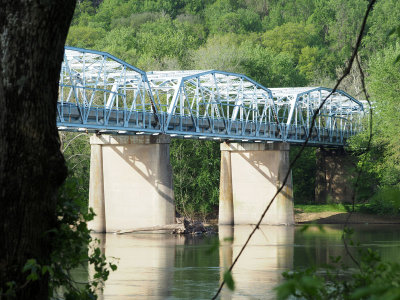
pixel 72 248
pixel 76 150
pixel 372 279
pixel 168 39
pixel 280 12
pixel 84 36
pixel 220 52
pixel 384 18
pixel 339 22
pixel 303 175
pixel 121 42
pixel 196 176
pixel 290 38
pixel 230 283
pixel 227 16
pixel 381 171
pixel 385 202
pixel 384 84
pixel 269 68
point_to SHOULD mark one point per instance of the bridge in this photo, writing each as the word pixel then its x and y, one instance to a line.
pixel 134 114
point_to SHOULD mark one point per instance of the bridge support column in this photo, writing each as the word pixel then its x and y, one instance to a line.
pixel 250 176
pixel 135 175
pixel 96 189
pixel 225 213
pixel 335 176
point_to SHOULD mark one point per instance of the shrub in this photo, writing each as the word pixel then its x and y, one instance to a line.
pixel 385 201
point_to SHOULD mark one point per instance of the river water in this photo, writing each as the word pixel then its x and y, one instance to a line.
pixel 165 266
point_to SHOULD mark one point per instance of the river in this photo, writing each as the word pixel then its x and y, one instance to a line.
pixel 165 266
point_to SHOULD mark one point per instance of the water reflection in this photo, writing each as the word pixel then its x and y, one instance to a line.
pixel 145 265
pixel 164 266
pixel 268 254
pixel 316 247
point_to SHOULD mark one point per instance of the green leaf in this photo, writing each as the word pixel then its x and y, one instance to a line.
pixel 286 289
pixel 230 283
pixel 32 277
pixel 30 264
pixel 113 267
pixel 368 291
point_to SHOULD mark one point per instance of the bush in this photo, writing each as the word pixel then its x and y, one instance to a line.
pixel 385 202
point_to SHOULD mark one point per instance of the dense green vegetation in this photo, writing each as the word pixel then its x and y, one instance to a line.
pixel 278 43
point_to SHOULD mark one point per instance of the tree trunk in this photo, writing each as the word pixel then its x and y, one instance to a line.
pixel 32 37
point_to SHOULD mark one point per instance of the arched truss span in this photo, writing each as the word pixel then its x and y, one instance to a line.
pixel 338 119
pixel 99 92
pixel 214 104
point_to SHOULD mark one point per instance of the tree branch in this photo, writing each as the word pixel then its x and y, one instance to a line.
pixel 71 140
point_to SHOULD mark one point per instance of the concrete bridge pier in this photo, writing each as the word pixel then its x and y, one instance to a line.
pixel 130 182
pixel 251 173
pixel 335 176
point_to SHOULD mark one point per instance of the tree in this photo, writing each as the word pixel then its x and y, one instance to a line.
pixel 196 176
pixel 290 38
pixel 280 12
pixel 384 85
pixel 339 22
pixel 384 18
pixel 32 37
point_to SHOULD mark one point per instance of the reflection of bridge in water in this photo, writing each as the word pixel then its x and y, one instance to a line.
pixel 134 114
pixel 163 266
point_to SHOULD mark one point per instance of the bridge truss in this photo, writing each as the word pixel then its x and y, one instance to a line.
pixel 100 93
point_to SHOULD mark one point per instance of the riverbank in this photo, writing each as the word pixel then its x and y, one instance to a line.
pixel 335 217
pixel 328 214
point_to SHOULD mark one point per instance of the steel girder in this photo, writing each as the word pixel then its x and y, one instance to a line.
pixel 101 93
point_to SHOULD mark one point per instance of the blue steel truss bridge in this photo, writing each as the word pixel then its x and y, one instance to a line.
pixel 101 93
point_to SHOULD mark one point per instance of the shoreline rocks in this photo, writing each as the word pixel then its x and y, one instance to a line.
pixel 193 227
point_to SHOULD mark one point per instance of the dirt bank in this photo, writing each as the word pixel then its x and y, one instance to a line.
pixel 340 218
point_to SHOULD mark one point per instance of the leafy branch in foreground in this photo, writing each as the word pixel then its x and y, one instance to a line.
pixel 73 249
